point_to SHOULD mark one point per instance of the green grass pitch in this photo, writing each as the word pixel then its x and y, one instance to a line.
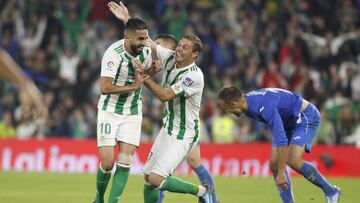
pixel 79 188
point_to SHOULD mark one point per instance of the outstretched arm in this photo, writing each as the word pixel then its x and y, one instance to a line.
pixel 121 12
pixel 30 95
pixel 164 94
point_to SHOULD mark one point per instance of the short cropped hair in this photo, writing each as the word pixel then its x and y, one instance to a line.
pixel 135 24
pixel 230 93
pixel 197 44
pixel 168 38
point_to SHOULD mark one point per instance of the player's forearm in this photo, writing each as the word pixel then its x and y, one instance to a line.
pixel 164 94
pixel 10 71
pixel 282 158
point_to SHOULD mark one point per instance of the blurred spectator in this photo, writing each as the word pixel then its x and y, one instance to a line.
pixel 7 127
pixel 326 133
pixel 224 128
pixel 306 46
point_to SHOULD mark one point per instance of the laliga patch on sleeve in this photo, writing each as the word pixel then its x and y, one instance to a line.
pixel 110 66
pixel 188 82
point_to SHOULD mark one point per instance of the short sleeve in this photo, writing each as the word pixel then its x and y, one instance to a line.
pixel 109 64
pixel 148 59
pixel 163 54
pixel 190 84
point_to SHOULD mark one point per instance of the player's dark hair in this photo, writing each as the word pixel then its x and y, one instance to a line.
pixel 197 44
pixel 230 93
pixel 135 24
pixel 168 38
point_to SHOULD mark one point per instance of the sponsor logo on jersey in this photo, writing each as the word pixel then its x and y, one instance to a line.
pixel 188 81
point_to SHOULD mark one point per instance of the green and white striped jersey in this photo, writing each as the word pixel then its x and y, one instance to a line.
pixel 181 116
pixel 116 63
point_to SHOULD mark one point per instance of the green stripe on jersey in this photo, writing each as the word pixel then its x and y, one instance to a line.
pixel 182 129
pixel 169 59
pixel 119 49
pixel 169 71
pixel 141 57
pixel 106 101
pixel 171 117
pixel 171 106
pixel 134 103
pixel 196 129
pixel 193 68
pixel 176 77
pixel 167 75
pixel 117 73
pixel 123 97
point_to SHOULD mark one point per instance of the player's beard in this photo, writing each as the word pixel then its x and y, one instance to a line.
pixel 136 49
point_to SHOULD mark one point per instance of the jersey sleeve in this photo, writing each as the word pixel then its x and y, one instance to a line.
pixel 109 64
pixel 163 54
pixel 274 121
pixel 190 84
pixel 148 59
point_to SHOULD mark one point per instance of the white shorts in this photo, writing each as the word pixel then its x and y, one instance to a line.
pixel 167 153
pixel 112 127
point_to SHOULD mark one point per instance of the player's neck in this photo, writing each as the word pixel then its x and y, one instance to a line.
pixel 243 104
pixel 183 64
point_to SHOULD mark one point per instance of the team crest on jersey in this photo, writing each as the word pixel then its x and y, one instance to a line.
pixel 110 65
pixel 188 81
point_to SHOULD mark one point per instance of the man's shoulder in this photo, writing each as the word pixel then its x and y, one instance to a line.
pixel 115 48
pixel 195 70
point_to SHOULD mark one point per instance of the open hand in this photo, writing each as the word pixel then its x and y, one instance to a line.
pixel 140 76
pixel 119 10
pixel 154 68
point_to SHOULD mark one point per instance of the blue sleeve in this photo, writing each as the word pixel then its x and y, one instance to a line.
pixel 273 119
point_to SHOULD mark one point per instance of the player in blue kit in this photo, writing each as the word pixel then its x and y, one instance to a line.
pixel 293 122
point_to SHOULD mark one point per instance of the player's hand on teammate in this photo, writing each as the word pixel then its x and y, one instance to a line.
pixel 154 68
pixel 281 182
pixel 119 10
pixel 140 75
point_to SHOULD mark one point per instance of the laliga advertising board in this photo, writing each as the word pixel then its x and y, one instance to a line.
pixel 72 156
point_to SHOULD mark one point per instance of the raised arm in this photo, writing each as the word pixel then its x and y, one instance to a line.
pixel 121 12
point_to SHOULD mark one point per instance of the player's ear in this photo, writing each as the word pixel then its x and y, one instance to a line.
pixel 195 54
pixel 127 34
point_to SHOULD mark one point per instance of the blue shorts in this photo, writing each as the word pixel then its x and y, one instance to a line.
pixel 306 126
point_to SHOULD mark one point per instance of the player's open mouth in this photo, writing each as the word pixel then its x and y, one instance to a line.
pixel 178 54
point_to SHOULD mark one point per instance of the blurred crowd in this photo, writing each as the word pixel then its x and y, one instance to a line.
pixel 308 46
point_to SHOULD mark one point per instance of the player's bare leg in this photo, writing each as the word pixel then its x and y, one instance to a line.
pixel 286 195
pixel 310 172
